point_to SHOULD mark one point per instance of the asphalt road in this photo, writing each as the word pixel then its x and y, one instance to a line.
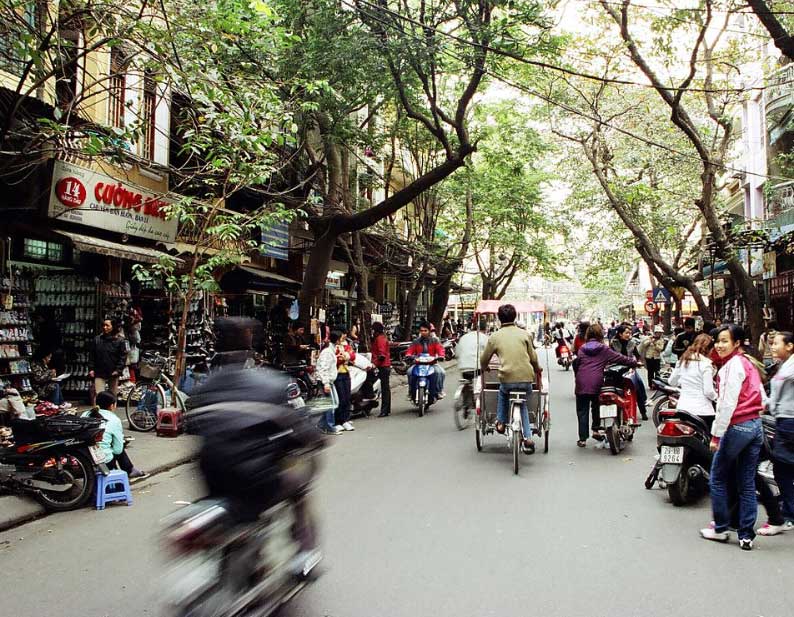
pixel 416 522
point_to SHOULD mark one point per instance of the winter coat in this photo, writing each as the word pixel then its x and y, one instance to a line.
pixel 632 347
pixel 110 354
pixel 593 358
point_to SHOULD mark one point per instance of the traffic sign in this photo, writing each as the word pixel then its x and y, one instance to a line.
pixel 649 294
pixel 651 308
pixel 661 295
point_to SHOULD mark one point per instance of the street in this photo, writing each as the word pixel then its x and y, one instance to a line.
pixel 416 522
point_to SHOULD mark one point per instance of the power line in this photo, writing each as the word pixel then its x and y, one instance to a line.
pixel 575 111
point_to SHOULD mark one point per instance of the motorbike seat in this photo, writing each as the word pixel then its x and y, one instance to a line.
pixel 683 414
pixel 293 366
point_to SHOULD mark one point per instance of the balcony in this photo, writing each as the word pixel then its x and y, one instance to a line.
pixel 779 99
pixel 780 207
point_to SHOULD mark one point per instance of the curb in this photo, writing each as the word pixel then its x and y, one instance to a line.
pixel 37 511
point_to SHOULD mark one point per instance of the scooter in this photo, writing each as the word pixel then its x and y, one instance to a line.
pixel 664 397
pixel 684 460
pixel 618 406
pixel 364 386
pixel 424 369
pixel 564 357
pixel 397 353
pixel 449 348
pixel 303 374
pixel 55 459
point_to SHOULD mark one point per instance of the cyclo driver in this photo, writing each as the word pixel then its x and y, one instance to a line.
pixel 426 344
pixel 518 370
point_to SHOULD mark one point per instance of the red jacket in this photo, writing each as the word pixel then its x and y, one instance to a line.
pixel 380 347
pixel 340 360
pixel 434 348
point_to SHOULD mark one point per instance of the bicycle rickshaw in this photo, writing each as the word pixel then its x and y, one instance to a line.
pixel 486 391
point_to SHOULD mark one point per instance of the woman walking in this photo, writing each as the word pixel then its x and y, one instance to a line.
pixel 327 373
pixel 694 375
pixel 344 355
pixel 736 439
pixel 591 361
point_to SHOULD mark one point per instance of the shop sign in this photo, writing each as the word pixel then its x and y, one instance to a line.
pixel 770 265
pixel 87 197
pixel 333 280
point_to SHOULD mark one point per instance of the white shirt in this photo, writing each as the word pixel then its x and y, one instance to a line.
pixel 696 381
pixel 468 350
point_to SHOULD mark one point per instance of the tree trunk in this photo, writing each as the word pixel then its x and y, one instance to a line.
pixel 438 308
pixel 316 273
pixel 410 311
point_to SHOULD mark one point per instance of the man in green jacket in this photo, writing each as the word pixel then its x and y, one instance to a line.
pixel 518 370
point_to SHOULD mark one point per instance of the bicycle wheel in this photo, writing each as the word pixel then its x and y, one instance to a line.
pixel 143 403
pixel 516 450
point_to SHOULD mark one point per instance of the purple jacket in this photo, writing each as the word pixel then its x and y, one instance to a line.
pixel 592 359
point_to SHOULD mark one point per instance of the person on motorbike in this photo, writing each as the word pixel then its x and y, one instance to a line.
pixel 626 345
pixel 518 370
pixel 561 337
pixel 594 356
pixel 470 347
pixel 426 344
pixel 694 375
pixel 256 449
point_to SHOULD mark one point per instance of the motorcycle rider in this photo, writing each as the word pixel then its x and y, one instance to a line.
pixel 626 345
pixel 561 336
pixel 469 348
pixel 518 370
pixel 426 344
pixel 252 437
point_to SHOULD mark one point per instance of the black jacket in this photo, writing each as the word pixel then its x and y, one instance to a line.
pixel 110 355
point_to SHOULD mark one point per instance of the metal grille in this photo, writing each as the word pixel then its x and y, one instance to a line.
pixel 149 120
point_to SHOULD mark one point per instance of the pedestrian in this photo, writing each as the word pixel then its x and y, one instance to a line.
pixel 108 358
pixel 694 375
pixel 381 358
pixel 327 374
pixel 781 406
pixel 580 338
pixel 296 351
pixel 626 345
pixel 344 354
pixel 736 439
pixel 684 340
pixel 651 349
pixel 593 358
pixel 765 342
pixel 112 444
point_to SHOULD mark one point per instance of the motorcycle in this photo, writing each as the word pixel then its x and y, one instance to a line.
pixel 397 352
pixel 465 404
pixel 564 357
pixel 364 386
pixel 303 375
pixel 55 459
pixel 449 348
pixel 618 405
pixel 684 460
pixel 664 396
pixel 222 567
pixel 424 367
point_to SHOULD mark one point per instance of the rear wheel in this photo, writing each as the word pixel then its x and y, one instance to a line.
pixel 143 403
pixel 78 470
pixel 681 491
pixel 516 450
pixel 613 437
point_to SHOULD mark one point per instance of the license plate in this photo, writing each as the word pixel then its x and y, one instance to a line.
pixel 97 454
pixel 422 383
pixel 297 403
pixel 672 455
pixel 609 411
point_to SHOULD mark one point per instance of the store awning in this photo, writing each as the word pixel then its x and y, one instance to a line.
pixel 269 278
pixel 89 244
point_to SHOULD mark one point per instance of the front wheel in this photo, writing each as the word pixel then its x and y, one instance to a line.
pixel 143 403
pixel 613 437
pixel 77 470
pixel 660 404
pixel 516 450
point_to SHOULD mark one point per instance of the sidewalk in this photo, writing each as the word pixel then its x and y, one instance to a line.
pixel 148 452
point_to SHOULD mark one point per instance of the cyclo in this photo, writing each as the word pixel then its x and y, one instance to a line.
pixel 486 391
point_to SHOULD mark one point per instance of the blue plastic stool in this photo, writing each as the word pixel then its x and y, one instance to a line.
pixel 113 487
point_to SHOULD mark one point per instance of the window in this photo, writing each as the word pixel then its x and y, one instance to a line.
pixel 13 53
pixel 42 250
pixel 149 116
pixel 68 52
pixel 117 88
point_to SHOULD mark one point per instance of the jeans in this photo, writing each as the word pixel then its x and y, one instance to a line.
pixel 441 377
pixel 653 365
pixel 342 385
pixel 56 396
pixel 385 390
pixel 784 471
pixel 328 419
pixel 740 446
pixel 432 383
pixel 503 405
pixel 584 404
pixel 642 396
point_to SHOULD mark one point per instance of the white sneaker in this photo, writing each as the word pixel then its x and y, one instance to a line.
pixel 771 530
pixel 338 428
pixel 718 536
pixel 442 394
pixel 348 426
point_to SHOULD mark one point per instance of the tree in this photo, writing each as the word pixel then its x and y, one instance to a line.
pixel 777 28
pixel 699 104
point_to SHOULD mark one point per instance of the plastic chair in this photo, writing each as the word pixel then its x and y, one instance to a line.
pixel 112 487
pixel 170 422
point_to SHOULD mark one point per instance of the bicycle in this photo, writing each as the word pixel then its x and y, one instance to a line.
pixel 148 396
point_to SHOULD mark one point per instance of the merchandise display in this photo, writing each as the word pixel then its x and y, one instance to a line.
pixel 16 333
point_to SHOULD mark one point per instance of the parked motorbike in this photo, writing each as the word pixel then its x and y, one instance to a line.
pixel 618 405
pixel 564 356
pixel 684 460
pixel 424 367
pixel 54 459
pixel 664 397
pixel 303 375
pixel 449 348
pixel 397 352
pixel 364 386
pixel 222 567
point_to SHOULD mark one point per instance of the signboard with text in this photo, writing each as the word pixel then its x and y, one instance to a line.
pixel 87 197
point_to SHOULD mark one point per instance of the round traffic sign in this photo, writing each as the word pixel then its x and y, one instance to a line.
pixel 651 308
